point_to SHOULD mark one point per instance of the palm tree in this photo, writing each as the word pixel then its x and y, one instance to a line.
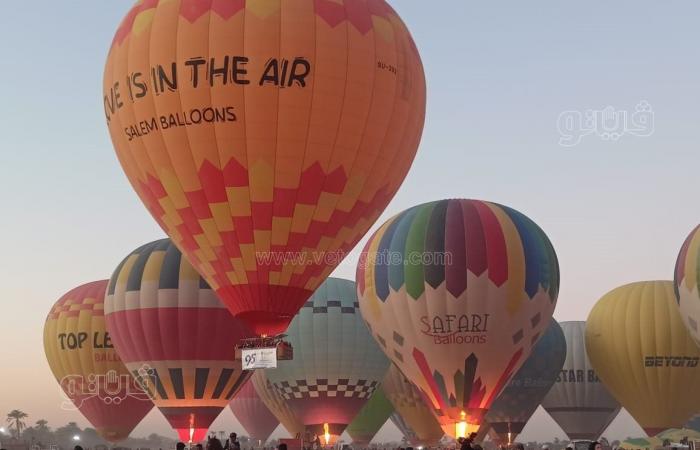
pixel 15 418
pixel 42 425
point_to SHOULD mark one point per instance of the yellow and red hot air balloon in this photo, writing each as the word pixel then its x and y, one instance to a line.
pixel 265 137
pixel 175 337
pixel 457 293
pixel 83 360
pixel 638 346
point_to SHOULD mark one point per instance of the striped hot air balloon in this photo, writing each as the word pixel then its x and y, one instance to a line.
pixel 250 410
pixel 82 358
pixel 414 417
pixel 457 293
pixel 337 366
pixel 272 127
pixel 370 419
pixel 687 282
pixel 175 336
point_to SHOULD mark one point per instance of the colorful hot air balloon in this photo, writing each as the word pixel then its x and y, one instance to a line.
pixel 416 419
pixel 81 356
pixel 175 337
pixel 370 419
pixel 579 402
pixel 457 292
pixel 522 395
pixel 276 403
pixel 639 347
pixel 687 282
pixel 251 412
pixel 337 366
pixel 265 137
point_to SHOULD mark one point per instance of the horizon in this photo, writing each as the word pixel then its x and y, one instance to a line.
pixel 505 84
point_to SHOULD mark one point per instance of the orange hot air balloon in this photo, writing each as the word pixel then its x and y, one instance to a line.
pixel 81 356
pixel 265 137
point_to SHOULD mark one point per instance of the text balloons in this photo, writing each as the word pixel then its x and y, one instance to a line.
pixel 253 414
pixel 175 337
pixel 82 358
pixel 457 292
pixel 639 347
pixel 579 402
pixel 522 395
pixel 687 282
pixel 337 366
pixel 265 137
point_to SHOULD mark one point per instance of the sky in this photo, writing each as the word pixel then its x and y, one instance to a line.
pixel 499 76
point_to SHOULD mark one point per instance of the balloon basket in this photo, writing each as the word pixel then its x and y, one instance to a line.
pixel 284 349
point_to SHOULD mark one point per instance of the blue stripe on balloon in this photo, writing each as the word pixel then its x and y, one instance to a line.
pixel 380 265
pixel 398 247
pixel 532 248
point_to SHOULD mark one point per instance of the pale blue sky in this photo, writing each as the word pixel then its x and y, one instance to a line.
pixel 499 74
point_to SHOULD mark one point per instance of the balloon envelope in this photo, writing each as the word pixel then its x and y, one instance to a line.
pixel 640 348
pixel 415 417
pixel 276 403
pixel 579 402
pixel 337 366
pixel 370 419
pixel 522 395
pixel 687 283
pixel 81 356
pixel 265 137
pixel 457 292
pixel 175 337
pixel 251 412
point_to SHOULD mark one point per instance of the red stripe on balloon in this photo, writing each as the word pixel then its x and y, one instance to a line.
pixel 497 252
pixel 423 366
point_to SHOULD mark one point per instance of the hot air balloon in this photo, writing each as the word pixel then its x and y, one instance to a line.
pixel 416 419
pixel 522 395
pixel 639 347
pixel 370 419
pixel 253 414
pixel 175 337
pixel 457 292
pixel 276 403
pixel 687 282
pixel 265 137
pixel 337 366
pixel 81 356
pixel 579 402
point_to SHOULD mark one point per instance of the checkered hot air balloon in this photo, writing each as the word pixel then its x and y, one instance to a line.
pixel 276 403
pixel 337 366
pixel 513 407
pixel 256 130
pixel 175 337
pixel 83 360
pixel 457 293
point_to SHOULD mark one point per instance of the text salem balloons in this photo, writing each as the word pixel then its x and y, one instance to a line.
pixel 265 137
pixel 175 337
pixel 457 293
pixel 579 402
pixel 640 348
pixel 522 395
pixel 687 280
pixel 337 366
pixel 253 414
pixel 81 356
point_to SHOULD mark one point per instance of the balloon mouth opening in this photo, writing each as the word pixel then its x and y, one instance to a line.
pixel 265 323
